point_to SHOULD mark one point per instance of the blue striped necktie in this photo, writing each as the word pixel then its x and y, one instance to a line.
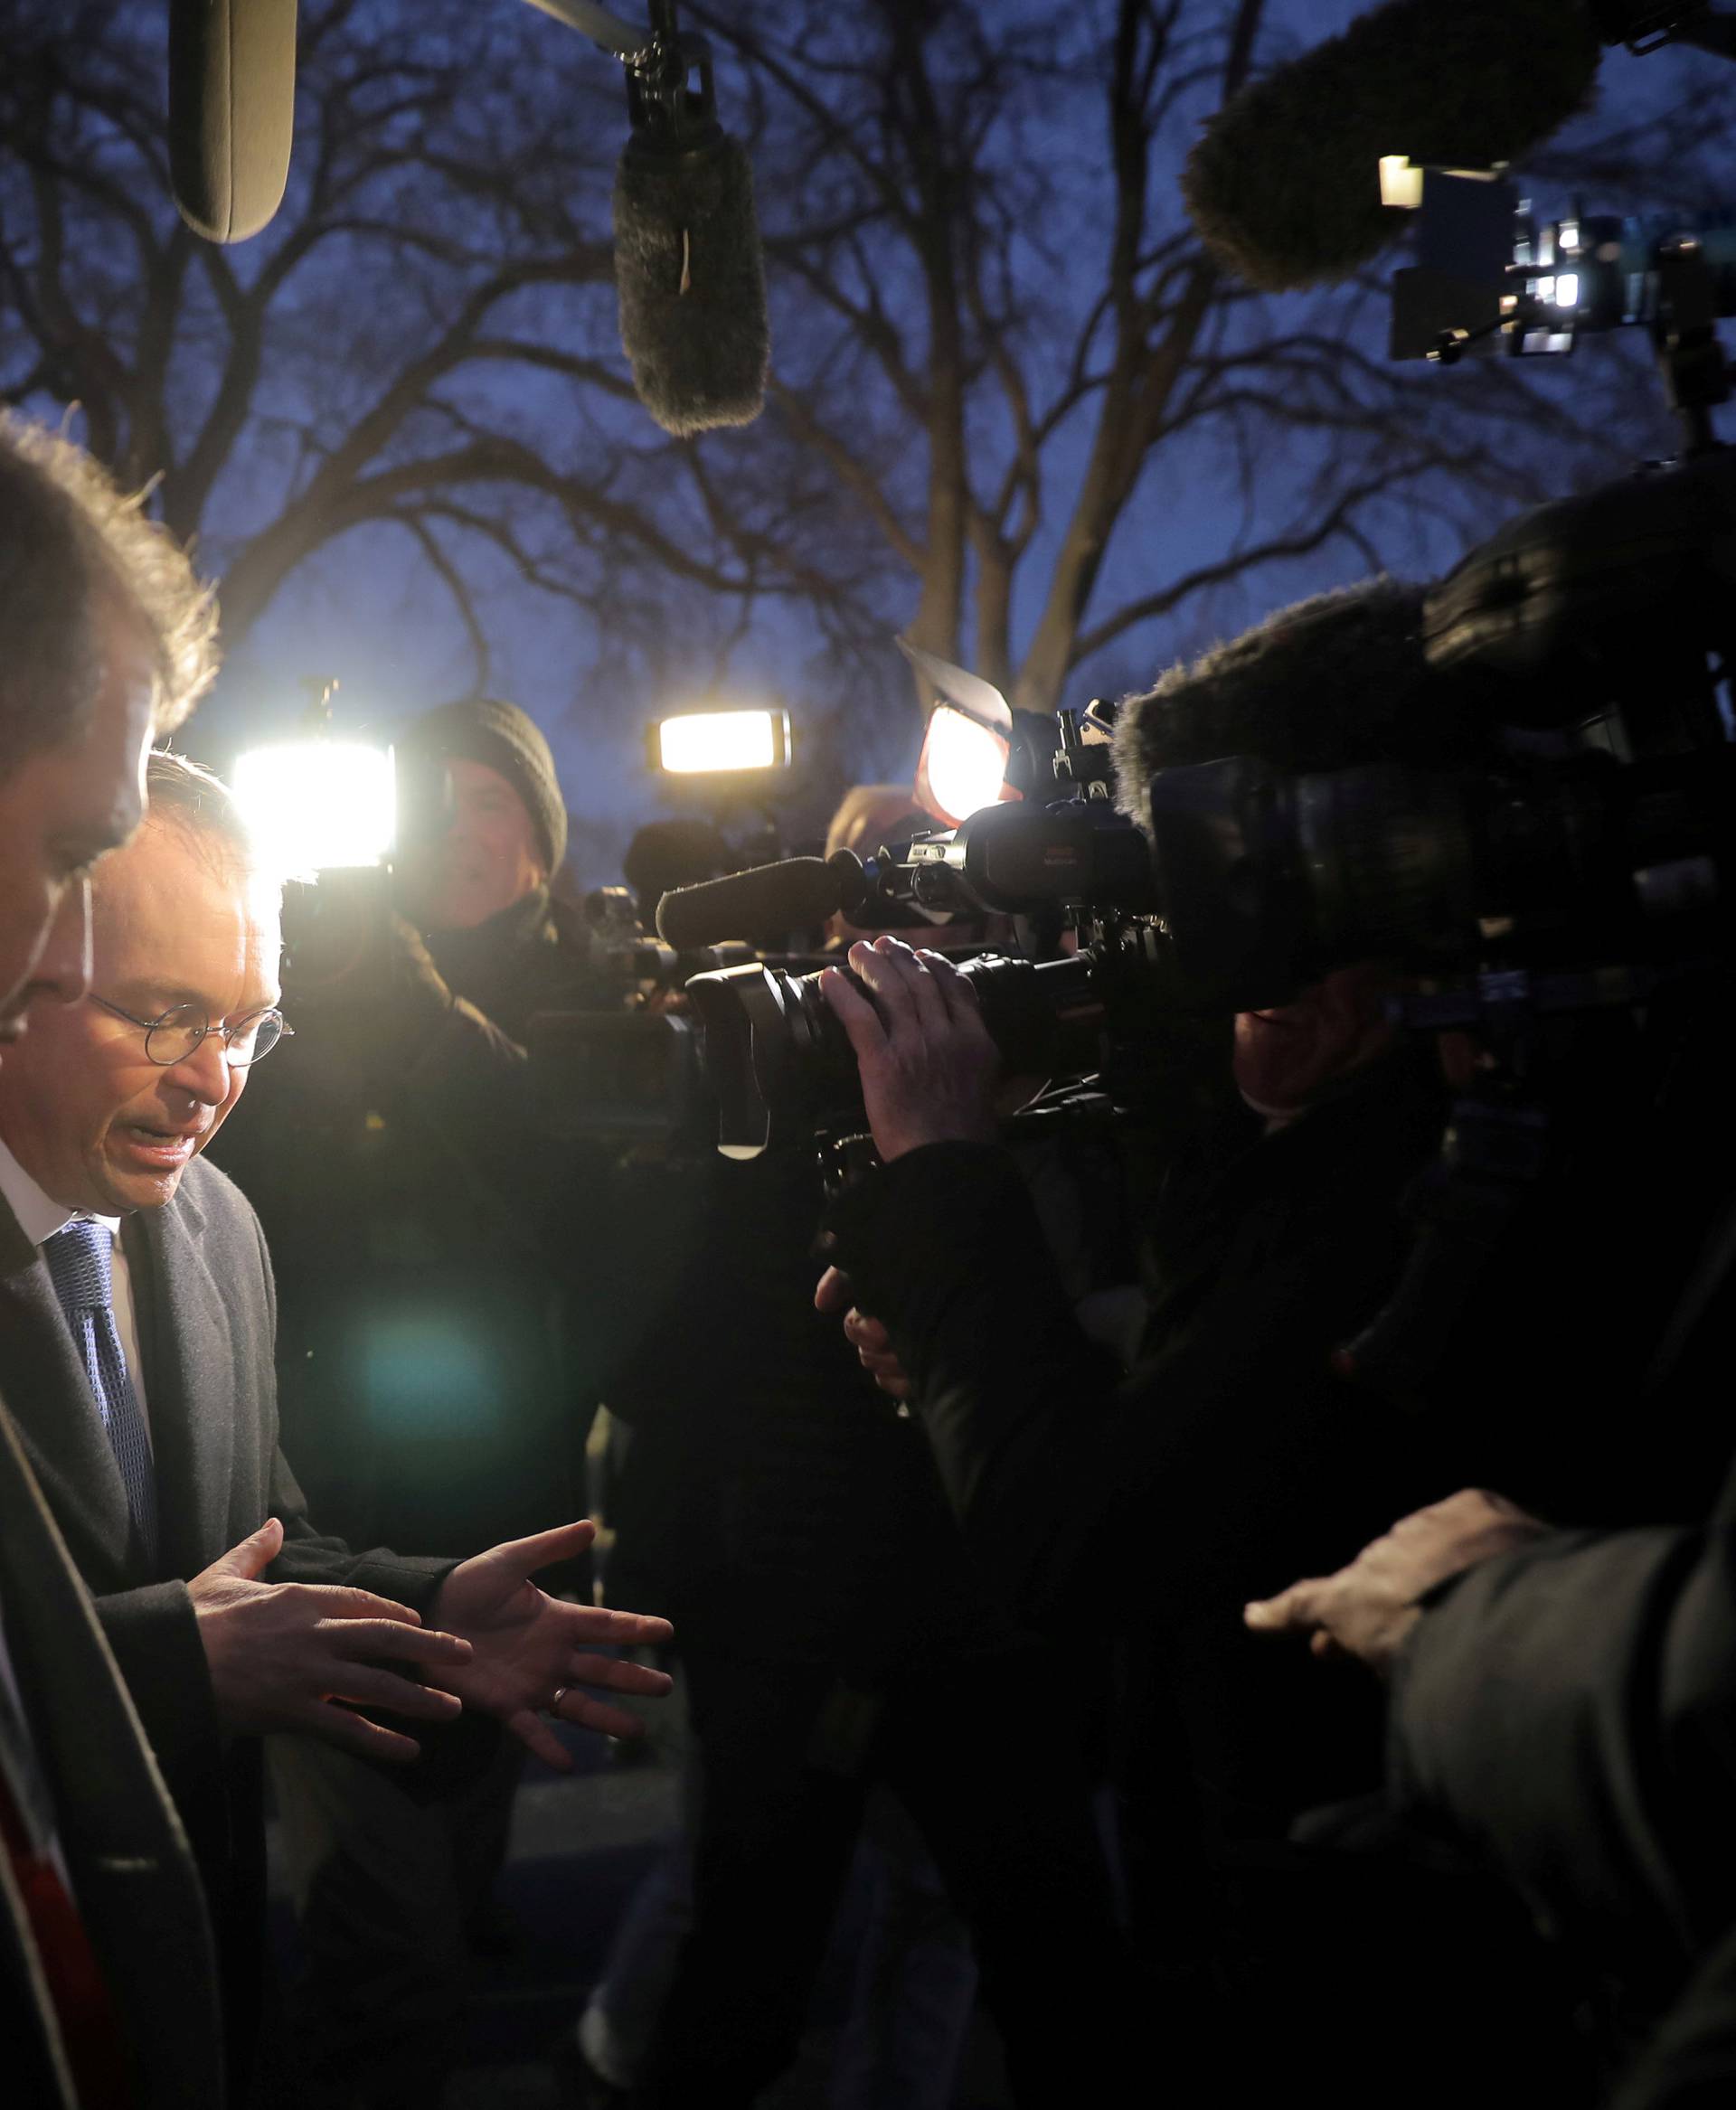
pixel 79 1262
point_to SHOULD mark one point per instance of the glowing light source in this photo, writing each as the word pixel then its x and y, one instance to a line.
pixel 1567 289
pixel 317 805
pixel 706 742
pixel 963 766
pixel 1400 181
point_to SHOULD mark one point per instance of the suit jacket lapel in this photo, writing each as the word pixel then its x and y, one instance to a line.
pixel 56 1417
pixel 190 1366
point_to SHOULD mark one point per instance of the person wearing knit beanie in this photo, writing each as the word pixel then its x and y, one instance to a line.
pixel 506 833
pixel 415 1124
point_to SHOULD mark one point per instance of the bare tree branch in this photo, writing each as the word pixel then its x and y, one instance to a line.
pixel 457 585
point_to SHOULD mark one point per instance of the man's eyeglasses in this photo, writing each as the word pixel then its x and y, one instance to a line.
pixel 178 1033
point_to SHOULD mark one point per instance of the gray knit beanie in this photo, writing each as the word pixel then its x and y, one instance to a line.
pixel 503 737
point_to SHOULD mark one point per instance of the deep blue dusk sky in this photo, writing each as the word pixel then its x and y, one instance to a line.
pixel 365 609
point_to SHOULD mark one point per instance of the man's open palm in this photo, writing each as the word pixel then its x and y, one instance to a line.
pixel 528 1647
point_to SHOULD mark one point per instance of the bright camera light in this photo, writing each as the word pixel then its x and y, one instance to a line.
pixel 318 805
pixel 1401 183
pixel 702 742
pixel 1567 289
pixel 963 766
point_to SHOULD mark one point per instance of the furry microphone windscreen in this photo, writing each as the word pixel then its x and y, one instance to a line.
pixel 1284 183
pixel 1332 682
pixel 692 284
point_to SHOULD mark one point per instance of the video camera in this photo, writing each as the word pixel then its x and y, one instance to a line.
pixel 1585 649
pixel 629 1074
pixel 1583 655
pixel 777 1062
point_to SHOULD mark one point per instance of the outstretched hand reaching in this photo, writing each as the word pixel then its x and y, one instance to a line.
pixel 530 1652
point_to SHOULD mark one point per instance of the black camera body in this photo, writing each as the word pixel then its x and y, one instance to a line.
pixel 1021 860
pixel 630 1075
pixel 1573 845
pixel 1590 644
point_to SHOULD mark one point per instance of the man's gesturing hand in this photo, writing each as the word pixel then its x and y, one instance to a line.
pixel 282 1655
pixel 929 1068
pixel 527 1646
pixel 868 1337
pixel 1368 1608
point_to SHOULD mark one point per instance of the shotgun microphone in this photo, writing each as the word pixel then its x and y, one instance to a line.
pixel 231 112
pixel 766 897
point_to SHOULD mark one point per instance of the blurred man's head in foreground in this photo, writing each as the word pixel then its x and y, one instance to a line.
pixel 107 640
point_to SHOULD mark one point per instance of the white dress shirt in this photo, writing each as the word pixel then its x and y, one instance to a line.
pixel 39 1219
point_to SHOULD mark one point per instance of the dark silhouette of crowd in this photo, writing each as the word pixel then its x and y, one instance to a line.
pixel 1251 1724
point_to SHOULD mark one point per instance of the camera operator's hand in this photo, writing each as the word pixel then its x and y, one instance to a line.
pixel 867 1336
pixel 1367 1609
pixel 929 1068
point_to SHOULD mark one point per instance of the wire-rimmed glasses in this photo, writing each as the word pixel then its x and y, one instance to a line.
pixel 177 1034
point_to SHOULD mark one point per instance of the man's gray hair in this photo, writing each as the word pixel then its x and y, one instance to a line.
pixel 189 796
pixel 70 539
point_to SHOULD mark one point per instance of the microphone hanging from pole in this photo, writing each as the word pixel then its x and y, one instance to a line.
pixel 688 269
pixel 689 272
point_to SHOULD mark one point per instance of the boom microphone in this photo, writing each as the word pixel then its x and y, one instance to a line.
pixel 231 111
pixel 1284 183
pixel 767 898
pixel 692 284
pixel 688 272
pixel 688 269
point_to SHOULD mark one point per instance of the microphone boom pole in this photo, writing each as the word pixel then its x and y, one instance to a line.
pixel 609 32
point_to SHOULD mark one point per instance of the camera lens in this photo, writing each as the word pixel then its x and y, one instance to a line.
pixel 779 1064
